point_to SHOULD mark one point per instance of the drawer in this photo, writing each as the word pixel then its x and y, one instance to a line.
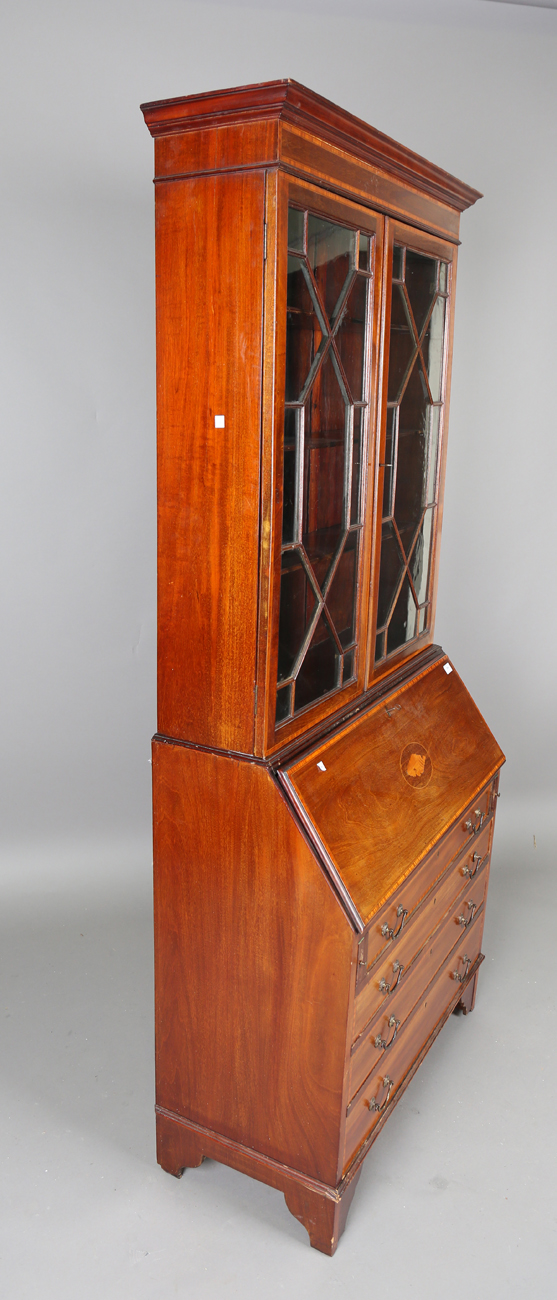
pixel 397 912
pixel 382 1085
pixel 476 856
pixel 390 971
pixel 470 826
pixel 387 1026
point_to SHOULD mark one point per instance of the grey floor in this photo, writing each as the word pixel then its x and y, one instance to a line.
pixel 456 1200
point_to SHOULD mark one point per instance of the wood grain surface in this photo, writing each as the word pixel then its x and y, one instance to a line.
pixel 218 148
pixel 254 963
pixel 209 318
pixel 375 818
pixel 415 891
pixel 314 159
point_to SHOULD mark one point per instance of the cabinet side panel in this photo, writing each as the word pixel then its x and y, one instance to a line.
pixel 253 964
pixel 209 320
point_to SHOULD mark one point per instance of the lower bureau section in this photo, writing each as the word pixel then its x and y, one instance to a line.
pixel 285 1034
pixel 384 1083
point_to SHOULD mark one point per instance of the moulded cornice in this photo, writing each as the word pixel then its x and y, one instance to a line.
pixel 288 101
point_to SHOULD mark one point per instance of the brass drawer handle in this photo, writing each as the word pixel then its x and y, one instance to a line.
pixel 393 934
pixel 479 861
pixel 390 988
pixel 388 1084
pixel 460 978
pixel 469 826
pixel 380 1042
pixel 472 908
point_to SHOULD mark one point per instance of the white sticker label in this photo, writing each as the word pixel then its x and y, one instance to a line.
pixel 219 421
pixel 321 766
pixel 447 668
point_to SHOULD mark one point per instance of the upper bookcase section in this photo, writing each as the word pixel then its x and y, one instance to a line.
pixel 305 279
pixel 273 123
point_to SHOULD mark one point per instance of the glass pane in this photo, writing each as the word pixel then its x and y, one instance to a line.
pixel 341 598
pixel 283 703
pixel 297 603
pixel 390 448
pixel 319 671
pixel 402 627
pixel 296 229
pixel 411 457
pixel 422 619
pixel 392 565
pixel 402 344
pixel 419 563
pixel 323 520
pixel 364 262
pixel 411 447
pixel 398 262
pixel 326 409
pixel 324 466
pixel 326 291
pixel 434 423
pixel 303 330
pixel 432 348
pixel 421 283
pixel 350 337
pixel 331 252
pixel 289 475
pixel 356 467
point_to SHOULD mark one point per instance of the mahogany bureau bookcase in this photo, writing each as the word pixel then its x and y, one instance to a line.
pixel 324 786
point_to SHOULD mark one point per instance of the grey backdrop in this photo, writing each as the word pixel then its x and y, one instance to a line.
pixel 458 1197
pixel 468 83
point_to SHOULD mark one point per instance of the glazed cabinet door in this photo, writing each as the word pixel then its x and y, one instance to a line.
pixel 327 277
pixel 420 280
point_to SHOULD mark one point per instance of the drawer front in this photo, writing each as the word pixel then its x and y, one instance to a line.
pixel 468 830
pixel 375 1046
pixel 390 972
pixel 476 857
pixel 396 914
pixel 383 1083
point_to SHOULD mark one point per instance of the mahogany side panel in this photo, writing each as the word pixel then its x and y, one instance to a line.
pixel 210 235
pixel 254 963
